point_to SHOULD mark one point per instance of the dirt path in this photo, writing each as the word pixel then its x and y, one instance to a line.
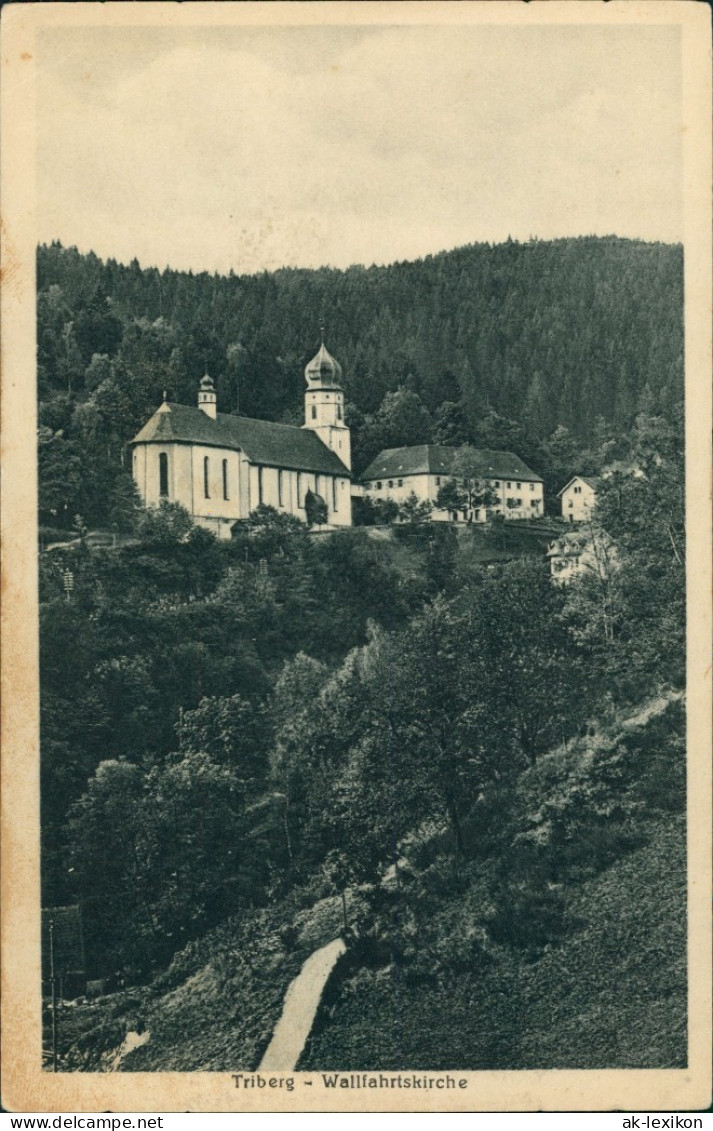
pixel 301 1001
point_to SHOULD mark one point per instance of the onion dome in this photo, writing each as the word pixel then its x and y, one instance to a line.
pixel 323 371
pixel 206 384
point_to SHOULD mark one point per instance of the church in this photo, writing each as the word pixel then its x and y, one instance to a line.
pixel 221 467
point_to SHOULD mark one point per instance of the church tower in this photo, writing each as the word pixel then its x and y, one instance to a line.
pixel 207 400
pixel 324 404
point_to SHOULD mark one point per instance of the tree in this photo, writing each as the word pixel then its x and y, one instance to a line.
pixel 164 525
pixel 126 509
pixel 195 844
pixel 316 510
pixel 415 511
pixel 401 420
pixel 367 511
pixel 60 477
pixel 439 716
pixel 451 497
pixel 530 670
pixel 466 490
pixel 450 427
pixel 642 508
pixel 108 862
pixel 234 732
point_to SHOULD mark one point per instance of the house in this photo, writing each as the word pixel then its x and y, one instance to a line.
pixel 565 556
pixel 578 497
pixel 590 550
pixel 221 467
pixel 516 491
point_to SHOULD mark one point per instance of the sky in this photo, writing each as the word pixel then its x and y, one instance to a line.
pixel 254 148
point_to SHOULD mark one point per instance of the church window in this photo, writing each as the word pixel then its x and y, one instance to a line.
pixel 225 479
pixel 300 500
pixel 206 477
pixel 259 485
pixel 335 500
pixel 314 412
pixel 339 412
pixel 280 488
pixel 163 475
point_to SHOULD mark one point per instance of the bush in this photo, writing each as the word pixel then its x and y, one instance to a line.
pixel 529 919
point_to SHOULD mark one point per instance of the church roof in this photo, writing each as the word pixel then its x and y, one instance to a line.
pixel 262 441
pixel 436 459
pixel 324 370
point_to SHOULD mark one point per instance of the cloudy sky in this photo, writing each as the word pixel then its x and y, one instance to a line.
pixel 252 148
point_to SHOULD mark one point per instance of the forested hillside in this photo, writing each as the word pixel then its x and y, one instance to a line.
pixel 547 348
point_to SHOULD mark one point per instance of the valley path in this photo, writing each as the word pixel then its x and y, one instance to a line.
pixel 300 1006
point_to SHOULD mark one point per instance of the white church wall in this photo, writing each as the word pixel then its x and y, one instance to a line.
pixel 340 493
pixel 214 504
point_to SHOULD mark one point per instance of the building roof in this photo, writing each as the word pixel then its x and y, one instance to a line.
pixel 262 441
pixel 567 545
pixel 435 459
pixel 323 370
pixel 590 480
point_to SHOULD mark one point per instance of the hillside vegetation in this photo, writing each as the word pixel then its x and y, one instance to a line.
pixel 583 966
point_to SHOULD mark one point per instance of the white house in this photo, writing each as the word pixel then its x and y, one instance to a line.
pixel 424 468
pixel 221 467
pixel 578 498
pixel 588 550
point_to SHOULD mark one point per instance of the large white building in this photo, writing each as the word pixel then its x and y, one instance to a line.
pixel 516 490
pixel 221 467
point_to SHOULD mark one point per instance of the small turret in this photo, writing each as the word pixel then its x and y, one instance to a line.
pixel 207 400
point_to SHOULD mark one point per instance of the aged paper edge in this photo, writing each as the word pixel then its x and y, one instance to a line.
pixel 26 1087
